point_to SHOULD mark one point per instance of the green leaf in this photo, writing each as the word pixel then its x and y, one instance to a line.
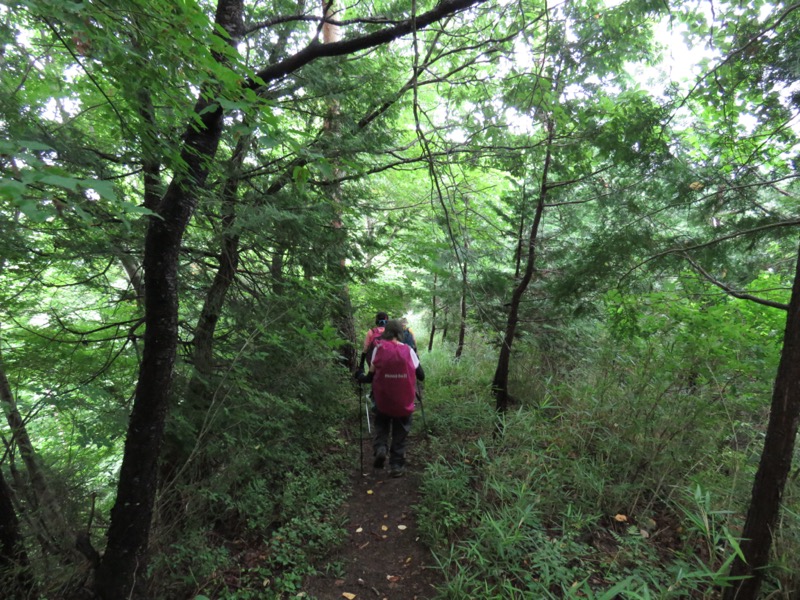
pixel 69 183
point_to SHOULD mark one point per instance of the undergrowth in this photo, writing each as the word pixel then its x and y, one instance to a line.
pixel 622 472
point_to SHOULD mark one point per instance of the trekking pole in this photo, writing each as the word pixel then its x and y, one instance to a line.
pixel 422 408
pixel 360 431
pixel 366 410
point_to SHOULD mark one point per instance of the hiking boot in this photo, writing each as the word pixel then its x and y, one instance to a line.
pixel 397 471
pixel 380 457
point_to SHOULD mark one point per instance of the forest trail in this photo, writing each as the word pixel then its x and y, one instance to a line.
pixel 382 557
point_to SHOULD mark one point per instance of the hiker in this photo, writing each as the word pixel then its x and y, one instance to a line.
pixel 410 340
pixel 393 373
pixel 372 337
pixel 408 335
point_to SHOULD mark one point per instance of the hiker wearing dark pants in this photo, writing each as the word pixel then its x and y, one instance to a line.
pixel 398 427
pixel 394 370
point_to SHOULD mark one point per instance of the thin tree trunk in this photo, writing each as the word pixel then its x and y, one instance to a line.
pixel 343 309
pixel 776 460
pixel 462 328
pixel 446 323
pixel 276 271
pixel 124 563
pixel 134 273
pixel 520 237
pixel 14 561
pixel 203 355
pixel 53 531
pixel 433 315
pixel 14 564
pixel 198 391
pixel 500 381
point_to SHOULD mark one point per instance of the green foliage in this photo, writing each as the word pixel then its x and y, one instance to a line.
pixel 582 492
pixel 360 172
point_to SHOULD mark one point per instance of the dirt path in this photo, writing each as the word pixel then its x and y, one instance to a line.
pixel 382 557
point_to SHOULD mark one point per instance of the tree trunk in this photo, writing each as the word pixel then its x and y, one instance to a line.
pixel 343 308
pixel 520 237
pixel 199 392
pixel 276 271
pixel 52 528
pixel 433 315
pixel 123 565
pixel 203 354
pixel 14 573
pixel 134 273
pixel 500 381
pixel 776 460
pixel 462 328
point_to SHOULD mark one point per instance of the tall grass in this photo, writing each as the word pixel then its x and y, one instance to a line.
pixel 623 471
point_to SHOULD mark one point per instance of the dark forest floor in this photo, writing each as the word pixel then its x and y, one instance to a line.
pixel 382 556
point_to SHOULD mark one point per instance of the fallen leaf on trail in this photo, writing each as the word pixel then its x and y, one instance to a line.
pixel 384 536
pixel 392 578
pixel 402 527
pixel 359 530
pixel 384 528
pixel 644 533
pixel 409 559
pixel 364 545
pixel 385 516
pixel 338 582
pixel 348 596
pixel 620 518
pixel 369 492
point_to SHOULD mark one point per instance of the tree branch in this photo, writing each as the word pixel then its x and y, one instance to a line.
pixel 313 19
pixel 730 291
pixel 730 236
pixel 317 50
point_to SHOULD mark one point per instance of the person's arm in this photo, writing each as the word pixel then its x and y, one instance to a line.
pixel 372 359
pixel 367 340
pixel 367 377
pixel 417 366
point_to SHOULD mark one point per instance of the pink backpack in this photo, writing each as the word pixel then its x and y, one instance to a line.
pixel 394 384
pixel 373 340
